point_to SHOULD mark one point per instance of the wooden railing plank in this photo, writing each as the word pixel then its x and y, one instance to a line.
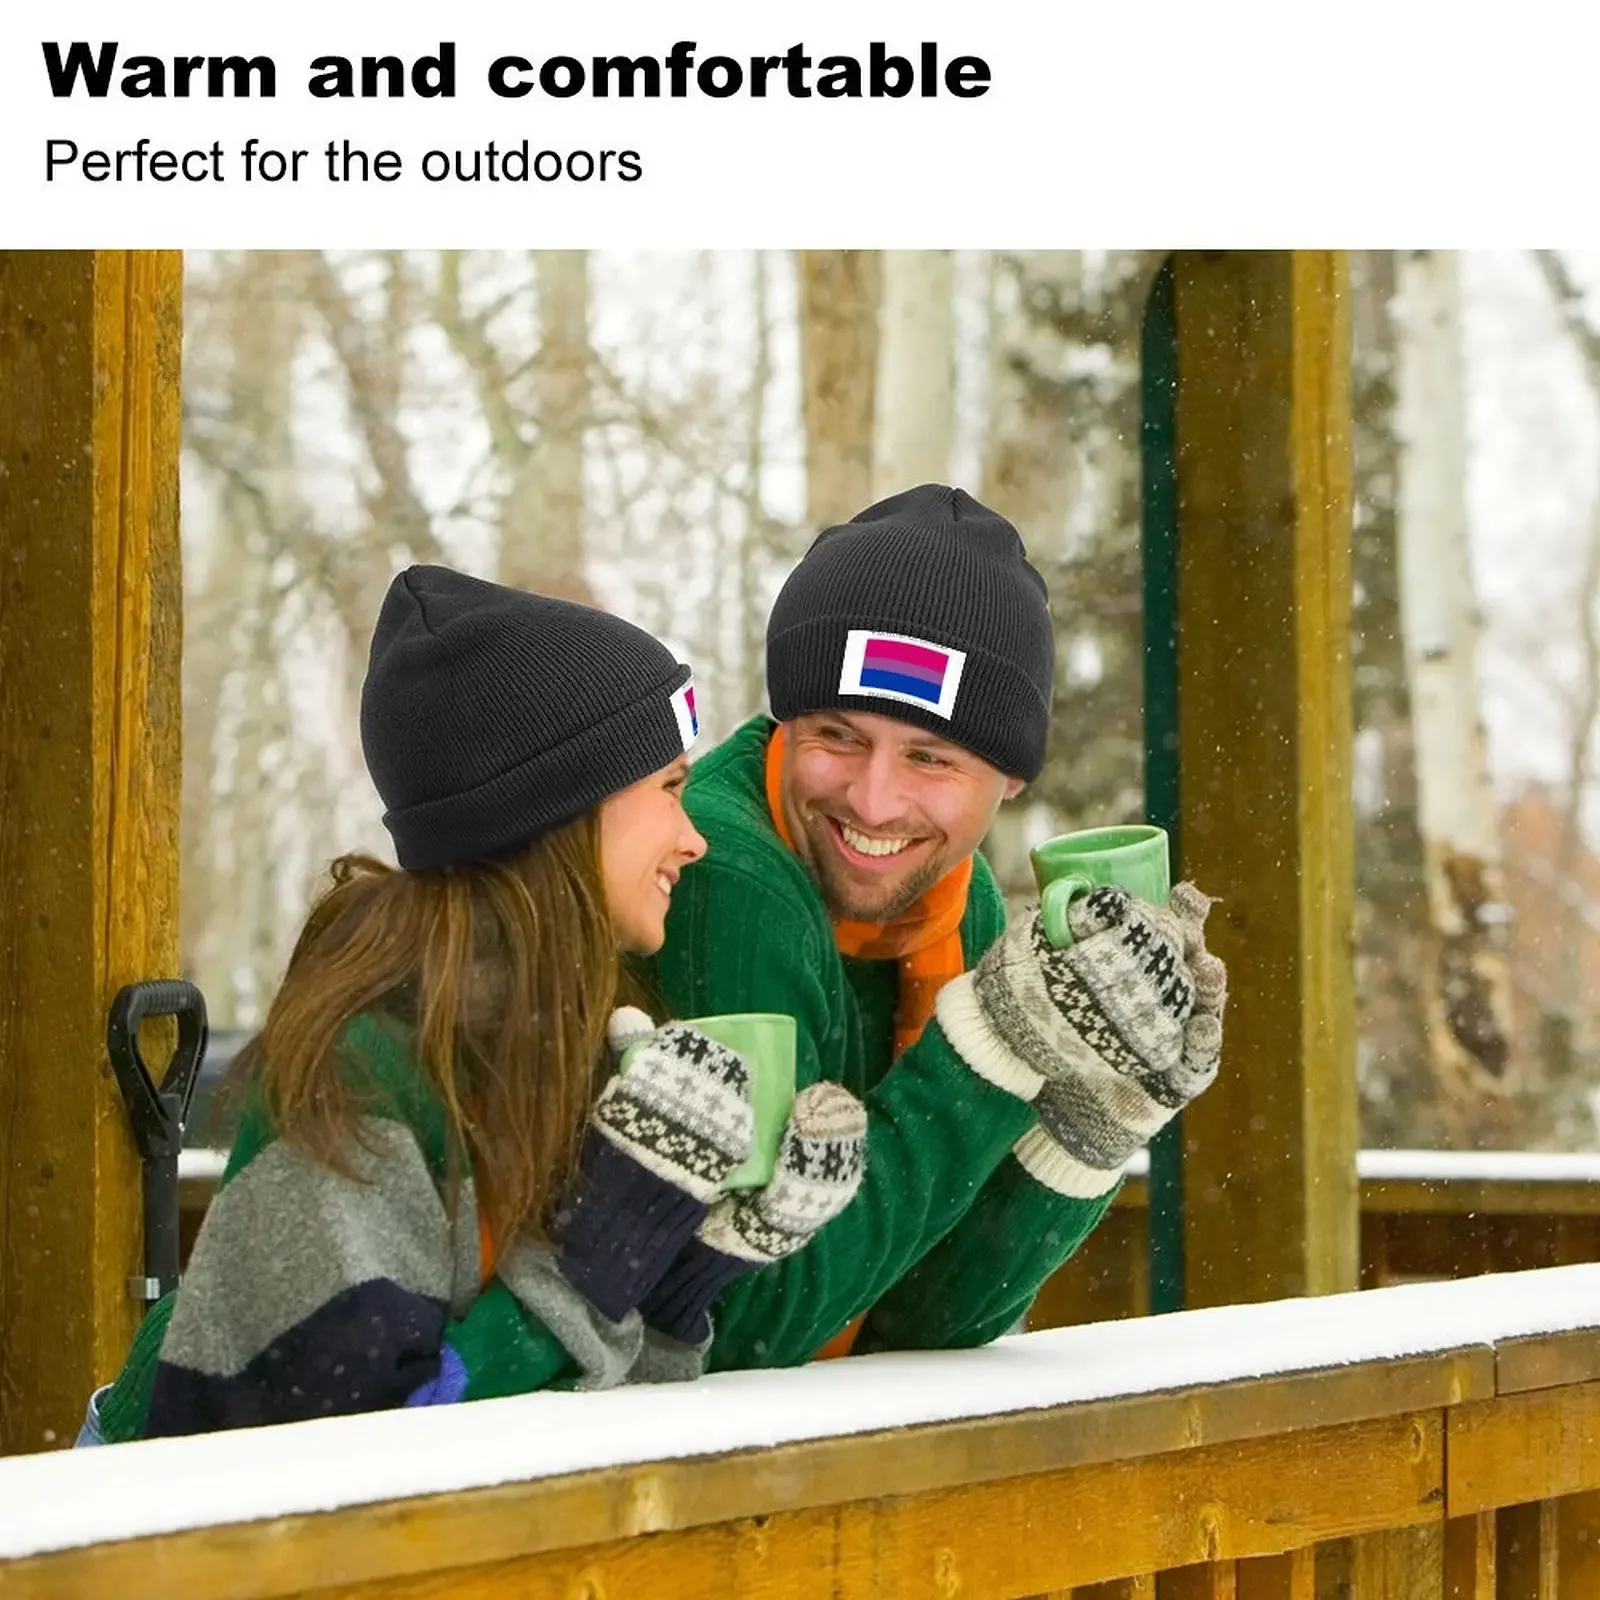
pixel 1484 1197
pixel 1548 1362
pixel 1017 1536
pixel 1227 1485
pixel 1523 1447
pixel 489 1524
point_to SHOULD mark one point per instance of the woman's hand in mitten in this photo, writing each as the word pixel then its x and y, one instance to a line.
pixel 819 1168
pixel 664 1133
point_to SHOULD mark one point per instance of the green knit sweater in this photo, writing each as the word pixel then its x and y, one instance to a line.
pixel 950 1235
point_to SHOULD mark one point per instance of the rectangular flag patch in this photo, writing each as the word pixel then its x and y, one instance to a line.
pixel 688 718
pixel 894 666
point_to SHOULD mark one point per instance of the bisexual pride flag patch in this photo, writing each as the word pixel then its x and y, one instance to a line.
pixel 894 666
pixel 688 717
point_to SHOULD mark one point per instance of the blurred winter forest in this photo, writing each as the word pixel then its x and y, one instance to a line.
pixel 664 434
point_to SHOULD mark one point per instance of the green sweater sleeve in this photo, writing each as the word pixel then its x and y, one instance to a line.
pixel 505 1349
pixel 743 936
pixel 983 1275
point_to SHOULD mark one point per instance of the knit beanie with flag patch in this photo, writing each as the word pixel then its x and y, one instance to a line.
pixel 490 714
pixel 924 607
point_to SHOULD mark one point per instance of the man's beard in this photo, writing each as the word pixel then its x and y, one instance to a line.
pixel 827 873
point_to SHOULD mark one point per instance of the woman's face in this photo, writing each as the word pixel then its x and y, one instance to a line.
pixel 646 840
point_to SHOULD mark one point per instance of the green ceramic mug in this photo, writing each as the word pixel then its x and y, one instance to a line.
pixel 1136 857
pixel 766 1040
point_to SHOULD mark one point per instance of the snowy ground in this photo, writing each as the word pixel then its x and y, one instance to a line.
pixel 70 1498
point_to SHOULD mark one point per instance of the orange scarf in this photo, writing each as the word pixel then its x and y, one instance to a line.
pixel 925 940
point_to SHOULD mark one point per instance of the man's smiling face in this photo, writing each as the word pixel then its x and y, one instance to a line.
pixel 879 810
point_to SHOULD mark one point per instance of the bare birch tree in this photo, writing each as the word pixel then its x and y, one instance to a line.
pixel 542 543
pixel 1569 998
pixel 1402 1098
pixel 240 763
pixel 916 398
pixel 839 298
pixel 761 535
pixel 1468 994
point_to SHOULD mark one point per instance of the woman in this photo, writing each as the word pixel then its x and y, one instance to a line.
pixel 438 1190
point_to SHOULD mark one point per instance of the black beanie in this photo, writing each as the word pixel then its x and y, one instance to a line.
pixel 924 607
pixel 490 714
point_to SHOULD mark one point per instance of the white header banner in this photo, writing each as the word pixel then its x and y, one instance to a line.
pixel 1227 122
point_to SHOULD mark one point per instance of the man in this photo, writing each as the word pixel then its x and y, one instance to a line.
pixel 909 666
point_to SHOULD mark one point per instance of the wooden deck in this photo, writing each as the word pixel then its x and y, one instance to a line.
pixel 1428 1440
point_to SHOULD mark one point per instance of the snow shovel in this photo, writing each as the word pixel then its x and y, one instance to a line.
pixel 158 1113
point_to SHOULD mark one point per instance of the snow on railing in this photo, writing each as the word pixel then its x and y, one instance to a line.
pixel 1461 1166
pixel 68 1499
pixel 201 1163
pixel 1432 1166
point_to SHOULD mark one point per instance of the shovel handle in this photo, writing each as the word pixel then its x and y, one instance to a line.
pixel 158 1111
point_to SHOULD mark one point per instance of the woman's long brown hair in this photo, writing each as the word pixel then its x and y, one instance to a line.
pixel 507 970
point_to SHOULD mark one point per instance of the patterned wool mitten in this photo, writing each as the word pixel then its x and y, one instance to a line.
pixel 820 1163
pixel 664 1133
pixel 1114 1034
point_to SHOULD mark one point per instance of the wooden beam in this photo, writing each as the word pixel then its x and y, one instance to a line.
pixel 1522 1365
pixel 1031 1534
pixel 1522 1448
pixel 1263 445
pixel 90 628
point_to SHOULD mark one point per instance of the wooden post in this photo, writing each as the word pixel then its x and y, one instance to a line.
pixel 1578 1522
pixel 1399 1564
pixel 1291 1576
pixel 1263 451
pixel 1207 1580
pixel 90 632
pixel 1469 1552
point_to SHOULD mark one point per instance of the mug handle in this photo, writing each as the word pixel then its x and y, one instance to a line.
pixel 1058 895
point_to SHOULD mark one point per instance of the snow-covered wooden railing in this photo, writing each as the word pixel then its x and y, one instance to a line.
pixel 1424 1214
pixel 1416 1437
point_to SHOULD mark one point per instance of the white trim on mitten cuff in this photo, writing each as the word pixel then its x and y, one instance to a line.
pixel 1044 1160
pixel 976 1042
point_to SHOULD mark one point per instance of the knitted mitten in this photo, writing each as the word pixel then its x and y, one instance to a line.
pixel 664 1133
pixel 820 1163
pixel 1116 1032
